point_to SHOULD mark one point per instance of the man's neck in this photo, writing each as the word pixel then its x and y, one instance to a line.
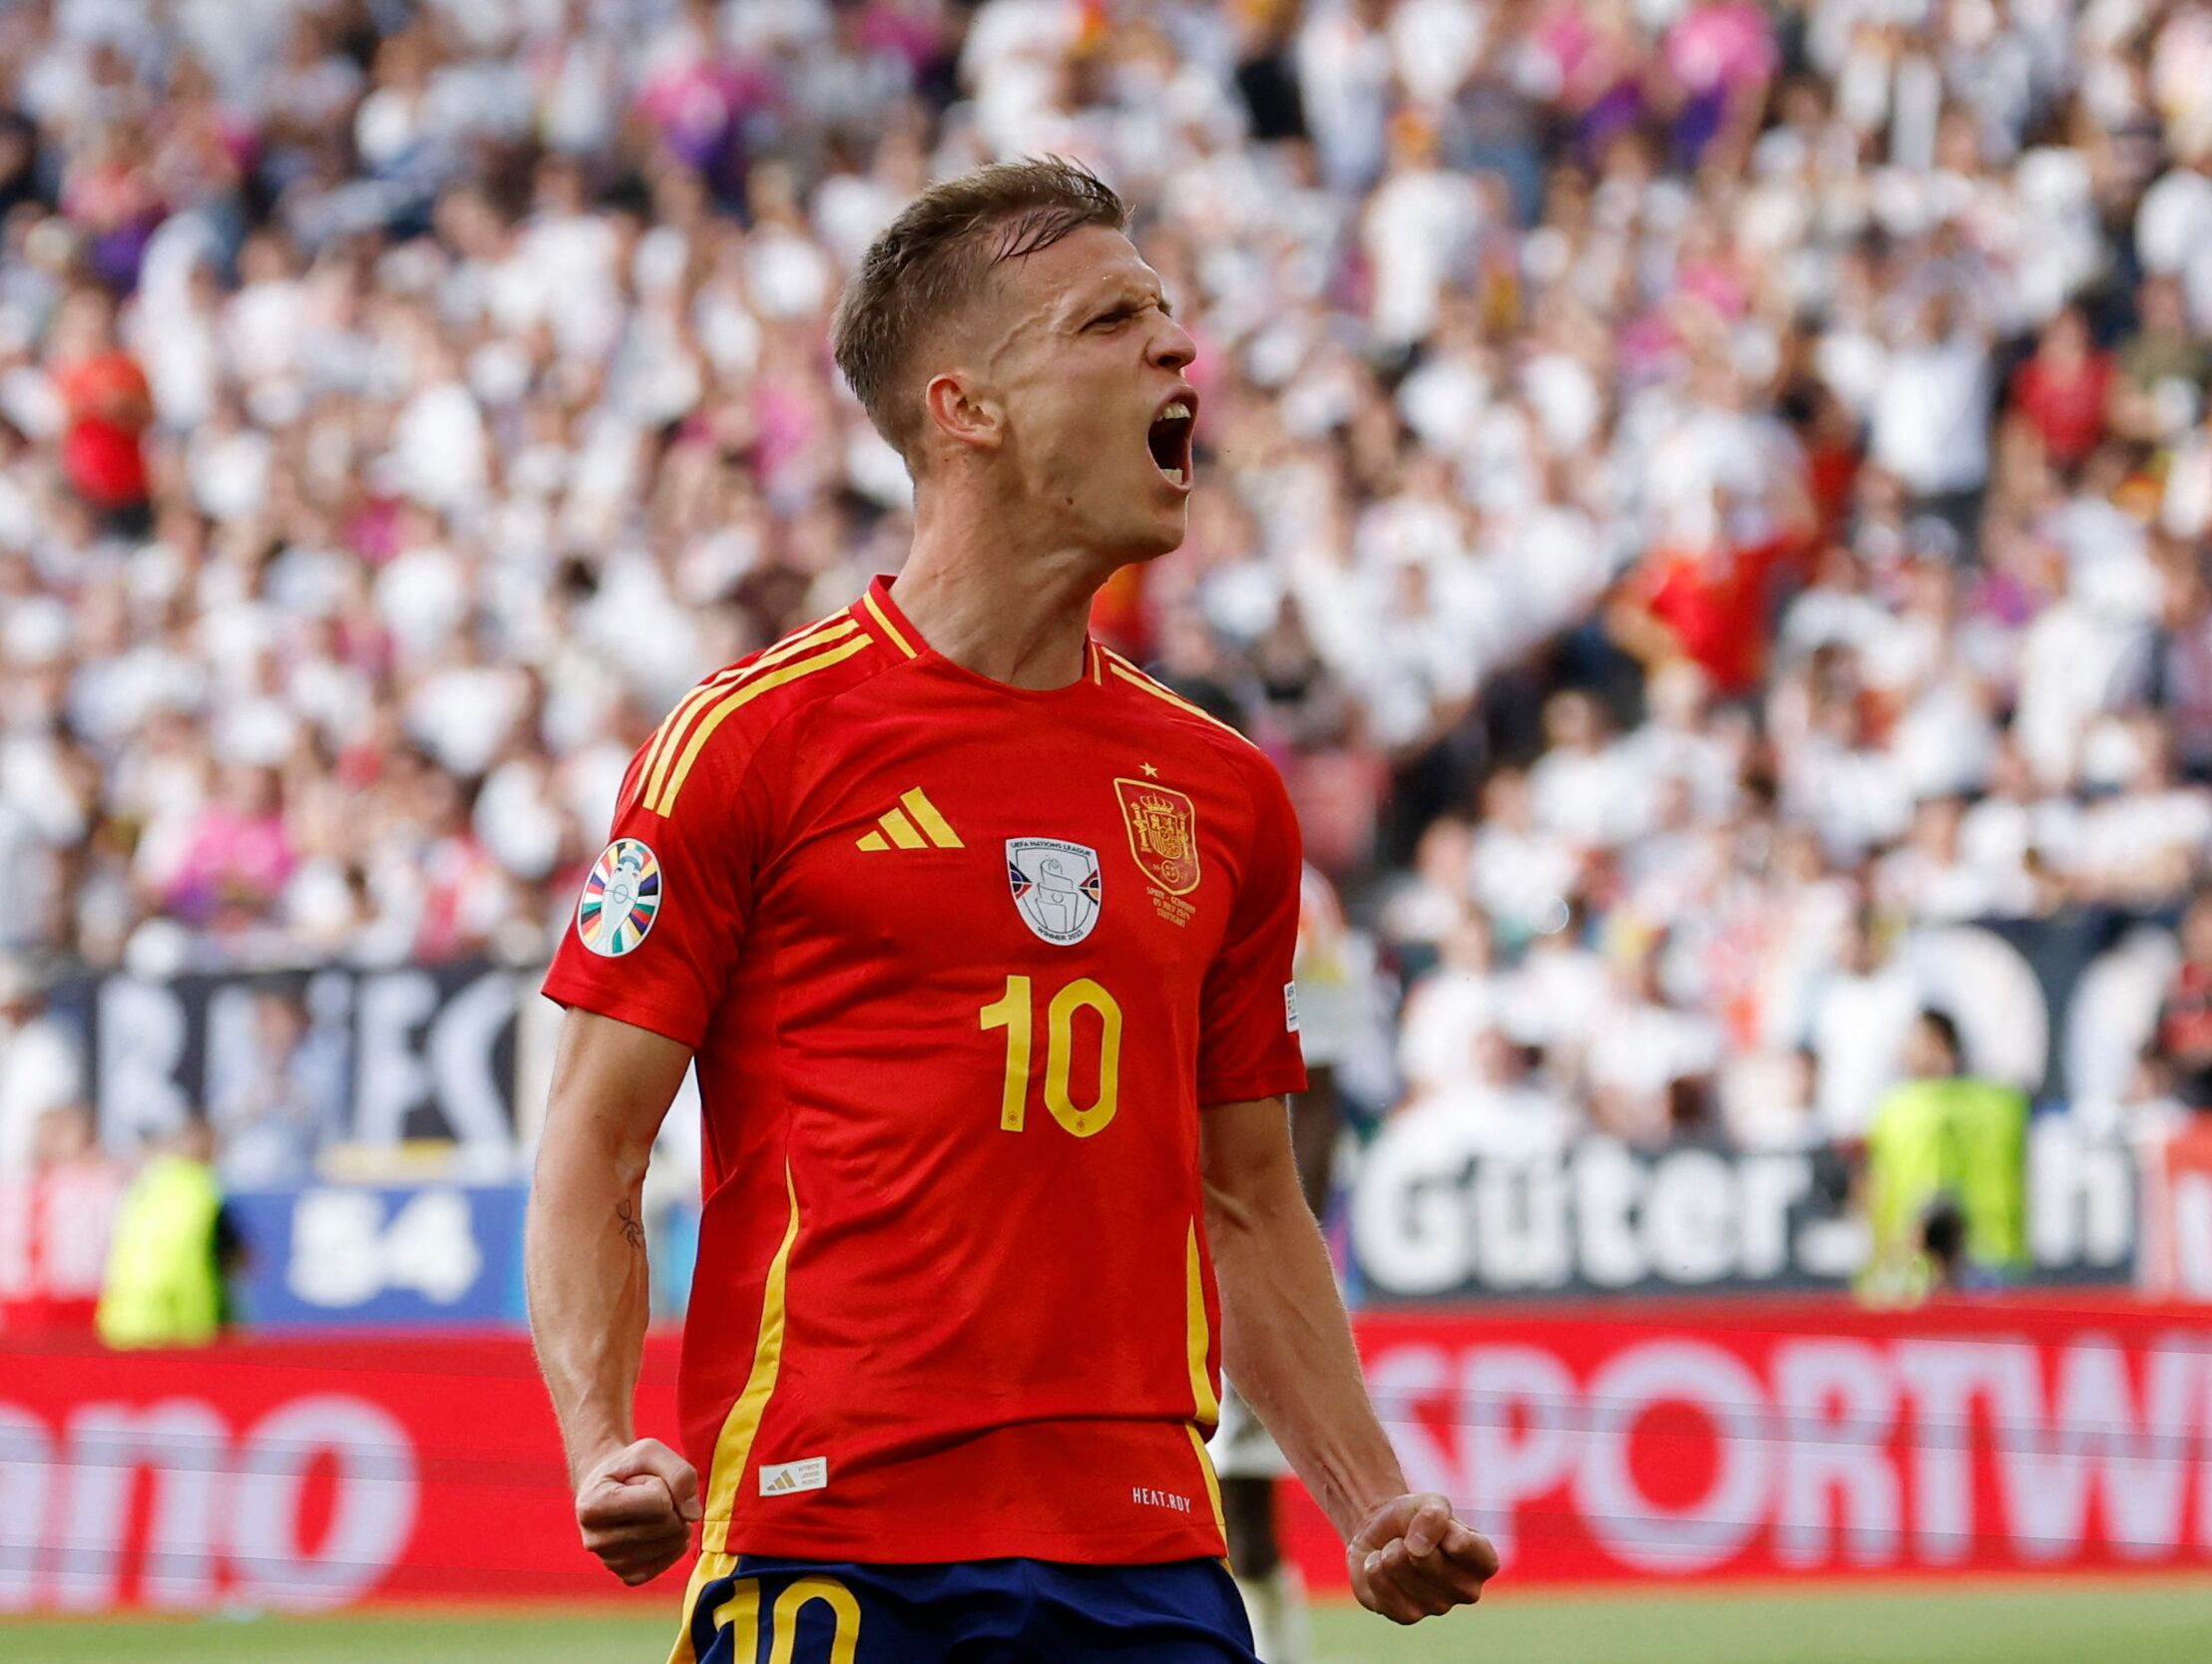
pixel 1017 614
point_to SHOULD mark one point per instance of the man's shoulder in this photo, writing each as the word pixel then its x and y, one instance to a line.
pixel 1151 702
pixel 714 733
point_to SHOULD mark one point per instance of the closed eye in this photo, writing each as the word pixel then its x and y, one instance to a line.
pixel 1121 315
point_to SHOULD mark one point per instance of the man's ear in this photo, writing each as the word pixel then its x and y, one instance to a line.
pixel 962 413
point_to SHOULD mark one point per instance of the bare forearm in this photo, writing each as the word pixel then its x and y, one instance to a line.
pixel 585 1268
pixel 584 1251
pixel 1288 1347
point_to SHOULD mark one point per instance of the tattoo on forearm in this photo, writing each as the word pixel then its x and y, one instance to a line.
pixel 633 1225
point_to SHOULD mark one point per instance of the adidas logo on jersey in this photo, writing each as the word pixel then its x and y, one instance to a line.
pixel 785 1478
pixel 915 824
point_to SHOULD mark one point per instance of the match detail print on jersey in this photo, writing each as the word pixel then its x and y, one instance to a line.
pixel 621 899
pixel 1055 887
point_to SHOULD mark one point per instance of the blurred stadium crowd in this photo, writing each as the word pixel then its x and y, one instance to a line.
pixel 1690 487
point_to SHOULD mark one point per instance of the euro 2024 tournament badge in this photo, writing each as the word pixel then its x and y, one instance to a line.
pixel 1055 887
pixel 621 899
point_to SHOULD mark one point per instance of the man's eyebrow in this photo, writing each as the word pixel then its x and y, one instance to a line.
pixel 1097 306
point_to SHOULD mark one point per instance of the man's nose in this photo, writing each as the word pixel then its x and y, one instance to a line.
pixel 1172 348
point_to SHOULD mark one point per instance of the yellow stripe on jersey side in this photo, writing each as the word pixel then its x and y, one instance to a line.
pixel 1143 684
pixel 653 775
pixel 1196 1333
pixel 1197 1338
pixel 1213 1483
pixel 744 695
pixel 883 620
pixel 741 1609
pixel 734 1447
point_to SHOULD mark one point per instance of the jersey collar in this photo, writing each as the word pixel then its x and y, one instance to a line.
pixel 878 613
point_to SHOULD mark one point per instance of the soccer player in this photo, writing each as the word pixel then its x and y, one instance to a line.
pixel 980 940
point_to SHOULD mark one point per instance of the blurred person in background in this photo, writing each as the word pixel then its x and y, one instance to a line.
pixel 1861 1017
pixel 1929 425
pixel 279 1103
pixel 56 1222
pixel 2180 1047
pixel 41 1065
pixel 1946 1171
pixel 2064 394
pixel 109 407
pixel 174 1250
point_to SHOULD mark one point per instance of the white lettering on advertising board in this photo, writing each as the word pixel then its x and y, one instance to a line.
pixel 225 1510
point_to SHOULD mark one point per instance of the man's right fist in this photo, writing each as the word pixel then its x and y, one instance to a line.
pixel 634 1509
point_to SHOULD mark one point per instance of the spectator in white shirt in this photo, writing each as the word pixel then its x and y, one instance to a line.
pixel 1932 413
pixel 41 1068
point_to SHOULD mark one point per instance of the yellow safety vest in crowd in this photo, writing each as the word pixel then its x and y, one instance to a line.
pixel 1959 1136
pixel 163 1287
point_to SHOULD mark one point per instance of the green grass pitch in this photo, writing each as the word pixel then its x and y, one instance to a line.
pixel 2145 1621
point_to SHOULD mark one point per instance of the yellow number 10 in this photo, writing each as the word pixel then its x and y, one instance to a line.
pixel 1011 1012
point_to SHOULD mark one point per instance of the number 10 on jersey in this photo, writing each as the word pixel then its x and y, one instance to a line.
pixel 1014 1012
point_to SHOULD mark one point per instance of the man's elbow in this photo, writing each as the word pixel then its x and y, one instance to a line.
pixel 1255 1204
pixel 582 1150
pixel 1229 1215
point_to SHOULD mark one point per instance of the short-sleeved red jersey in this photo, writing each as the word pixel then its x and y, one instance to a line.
pixel 960 963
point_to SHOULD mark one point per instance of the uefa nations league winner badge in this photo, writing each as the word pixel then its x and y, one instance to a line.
pixel 1055 887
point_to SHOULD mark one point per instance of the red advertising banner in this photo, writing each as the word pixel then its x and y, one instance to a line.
pixel 293 1474
pixel 1791 1440
pixel 53 1247
pixel 2176 1253
pixel 1769 1438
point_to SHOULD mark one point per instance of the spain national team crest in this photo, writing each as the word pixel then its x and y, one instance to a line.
pixel 1055 887
pixel 621 899
pixel 1163 834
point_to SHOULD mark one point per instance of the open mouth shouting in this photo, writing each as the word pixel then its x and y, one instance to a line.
pixel 1168 438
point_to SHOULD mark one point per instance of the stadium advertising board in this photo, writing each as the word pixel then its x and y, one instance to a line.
pixel 1800 1439
pixel 290 1475
pixel 2177 1215
pixel 2060 1008
pixel 407 1256
pixel 1805 1439
pixel 54 1229
pixel 368 1058
pixel 1433 1218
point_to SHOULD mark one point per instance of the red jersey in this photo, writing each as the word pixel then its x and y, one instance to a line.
pixel 960 963
pixel 1718 606
pixel 101 454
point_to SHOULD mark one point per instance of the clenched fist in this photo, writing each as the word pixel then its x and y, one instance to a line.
pixel 634 1509
pixel 1412 1560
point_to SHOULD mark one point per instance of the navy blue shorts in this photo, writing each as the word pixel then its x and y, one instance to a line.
pixel 750 1609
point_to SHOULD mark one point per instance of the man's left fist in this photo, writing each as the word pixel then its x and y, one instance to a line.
pixel 1412 1560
